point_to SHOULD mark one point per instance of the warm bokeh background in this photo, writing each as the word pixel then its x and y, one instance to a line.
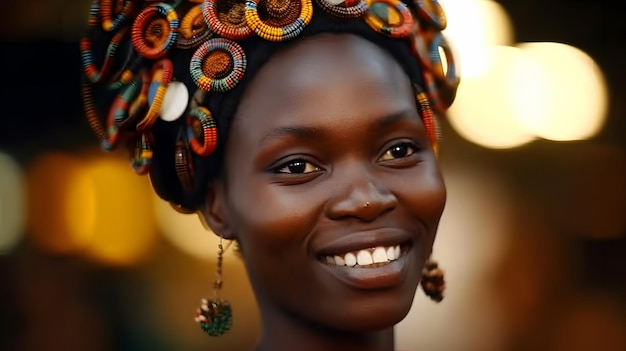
pixel 533 239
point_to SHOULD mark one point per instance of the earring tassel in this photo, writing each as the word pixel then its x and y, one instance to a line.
pixel 433 282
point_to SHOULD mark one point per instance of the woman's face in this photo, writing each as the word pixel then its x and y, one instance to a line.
pixel 327 161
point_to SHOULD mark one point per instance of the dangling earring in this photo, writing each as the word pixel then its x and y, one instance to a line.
pixel 215 315
pixel 433 282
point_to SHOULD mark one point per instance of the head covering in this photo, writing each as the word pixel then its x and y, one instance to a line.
pixel 188 62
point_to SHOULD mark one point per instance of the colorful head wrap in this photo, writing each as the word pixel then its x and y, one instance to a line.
pixel 141 58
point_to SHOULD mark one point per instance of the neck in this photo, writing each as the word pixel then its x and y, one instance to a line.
pixel 286 334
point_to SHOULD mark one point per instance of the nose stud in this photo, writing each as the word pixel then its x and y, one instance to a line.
pixel 367 204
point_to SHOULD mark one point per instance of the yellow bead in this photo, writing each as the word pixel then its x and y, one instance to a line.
pixel 127 76
pixel 172 16
pixel 147 154
pixel 107 25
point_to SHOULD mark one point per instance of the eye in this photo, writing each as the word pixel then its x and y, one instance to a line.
pixel 296 166
pixel 397 151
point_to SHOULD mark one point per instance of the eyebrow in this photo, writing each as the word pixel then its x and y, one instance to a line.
pixel 312 133
pixel 393 118
pixel 301 132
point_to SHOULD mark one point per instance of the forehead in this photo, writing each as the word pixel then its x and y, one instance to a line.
pixel 328 75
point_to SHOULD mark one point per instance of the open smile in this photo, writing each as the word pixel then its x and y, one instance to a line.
pixel 367 258
pixel 378 267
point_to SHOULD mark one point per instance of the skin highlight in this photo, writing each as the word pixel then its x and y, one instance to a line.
pixel 327 154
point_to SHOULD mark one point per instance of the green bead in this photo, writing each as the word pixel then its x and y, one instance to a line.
pixel 221 321
pixel 381 10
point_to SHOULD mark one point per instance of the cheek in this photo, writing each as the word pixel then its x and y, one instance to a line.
pixel 435 197
pixel 425 196
pixel 437 202
pixel 271 216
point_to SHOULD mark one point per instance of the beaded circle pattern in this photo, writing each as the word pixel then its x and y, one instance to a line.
pixel 347 9
pixel 230 25
pixel 389 17
pixel 273 33
pixel 213 47
pixel 155 30
pixel 193 29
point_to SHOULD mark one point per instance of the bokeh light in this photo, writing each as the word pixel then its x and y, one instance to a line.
pixel 92 204
pixel 185 231
pixel 484 111
pixel 506 98
pixel 123 231
pixel 574 92
pixel 60 203
pixel 474 26
pixel 12 212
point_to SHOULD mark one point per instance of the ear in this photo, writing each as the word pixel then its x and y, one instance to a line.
pixel 214 211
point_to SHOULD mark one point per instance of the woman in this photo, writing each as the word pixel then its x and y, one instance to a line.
pixel 309 140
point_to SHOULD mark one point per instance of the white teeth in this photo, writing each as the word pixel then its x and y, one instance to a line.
pixel 350 259
pixel 364 258
pixel 391 253
pixel 339 261
pixel 367 257
pixel 380 255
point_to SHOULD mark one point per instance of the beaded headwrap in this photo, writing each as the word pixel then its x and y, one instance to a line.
pixel 136 51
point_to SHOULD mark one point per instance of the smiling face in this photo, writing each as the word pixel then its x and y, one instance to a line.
pixel 328 169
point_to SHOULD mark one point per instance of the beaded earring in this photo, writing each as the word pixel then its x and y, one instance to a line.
pixel 389 17
pixel 228 20
pixel 215 315
pixel 155 30
pixel 218 65
pixel 193 29
pixel 283 19
pixel 433 282
pixel 344 9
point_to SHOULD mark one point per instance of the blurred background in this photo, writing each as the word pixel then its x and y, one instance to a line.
pixel 533 239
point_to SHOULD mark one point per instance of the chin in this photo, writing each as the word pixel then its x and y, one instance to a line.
pixel 376 313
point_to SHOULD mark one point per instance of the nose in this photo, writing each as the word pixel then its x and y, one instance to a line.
pixel 361 196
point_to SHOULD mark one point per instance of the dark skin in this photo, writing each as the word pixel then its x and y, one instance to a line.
pixel 327 155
